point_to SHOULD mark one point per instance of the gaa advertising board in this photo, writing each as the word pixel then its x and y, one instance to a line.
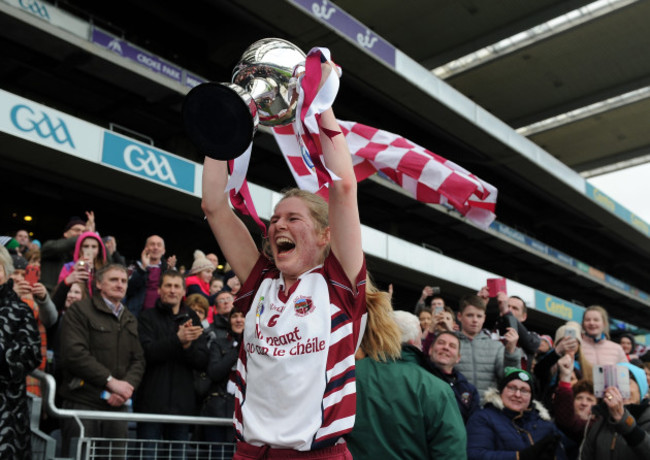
pixel 51 128
pixel 147 162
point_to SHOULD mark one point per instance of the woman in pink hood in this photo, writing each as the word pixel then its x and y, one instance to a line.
pixel 89 256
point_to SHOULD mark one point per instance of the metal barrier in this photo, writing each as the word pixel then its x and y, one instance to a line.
pixel 95 448
pixel 98 448
pixel 43 446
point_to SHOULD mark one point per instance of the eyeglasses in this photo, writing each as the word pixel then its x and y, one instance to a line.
pixel 224 300
pixel 514 390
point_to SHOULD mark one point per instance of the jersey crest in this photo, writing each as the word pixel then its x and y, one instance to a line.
pixel 303 305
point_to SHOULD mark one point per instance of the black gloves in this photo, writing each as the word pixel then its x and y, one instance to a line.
pixel 544 449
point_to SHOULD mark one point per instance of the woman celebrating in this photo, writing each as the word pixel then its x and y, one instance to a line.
pixel 304 299
pixel 596 346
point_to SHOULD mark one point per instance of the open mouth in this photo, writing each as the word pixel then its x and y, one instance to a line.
pixel 284 245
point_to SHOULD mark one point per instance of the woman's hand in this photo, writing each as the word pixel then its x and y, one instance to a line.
pixel 565 367
pixel 23 289
pixel 441 322
pixel 614 401
pixel 39 291
pixel 567 345
pixel 77 275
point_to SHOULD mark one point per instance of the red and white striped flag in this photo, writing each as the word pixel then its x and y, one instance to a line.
pixel 426 176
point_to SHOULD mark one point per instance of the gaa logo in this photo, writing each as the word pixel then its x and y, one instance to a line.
pixel 25 119
pixel 146 161
pixel 35 7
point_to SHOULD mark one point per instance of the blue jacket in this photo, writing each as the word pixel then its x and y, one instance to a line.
pixel 497 433
pixel 466 394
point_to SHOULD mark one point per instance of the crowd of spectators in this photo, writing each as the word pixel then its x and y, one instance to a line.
pixel 143 336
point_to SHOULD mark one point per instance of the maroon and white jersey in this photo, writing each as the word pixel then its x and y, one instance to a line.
pixel 295 375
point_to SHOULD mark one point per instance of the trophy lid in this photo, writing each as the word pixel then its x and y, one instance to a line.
pixel 218 120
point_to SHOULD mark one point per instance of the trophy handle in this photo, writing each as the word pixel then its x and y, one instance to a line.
pixel 220 119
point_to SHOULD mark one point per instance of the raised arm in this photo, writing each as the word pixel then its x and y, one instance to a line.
pixel 232 235
pixel 345 226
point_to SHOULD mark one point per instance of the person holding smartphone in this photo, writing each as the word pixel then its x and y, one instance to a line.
pixel 55 253
pixel 21 353
pixel 174 347
pixel 513 312
pixel 621 429
pixel 35 295
pixel 567 341
pixel 442 320
pixel 89 256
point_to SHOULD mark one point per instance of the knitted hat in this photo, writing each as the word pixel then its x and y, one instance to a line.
pixel 639 377
pixel 20 263
pixel 201 263
pixel 547 339
pixel 9 242
pixel 74 220
pixel 561 331
pixel 513 373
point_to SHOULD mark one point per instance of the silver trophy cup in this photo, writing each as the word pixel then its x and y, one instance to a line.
pixel 222 118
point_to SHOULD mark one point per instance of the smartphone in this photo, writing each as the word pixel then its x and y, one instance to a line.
pixel 569 332
pixel 611 376
pixel 496 285
pixel 182 319
pixel 438 310
pixel 86 253
pixel 32 274
pixel 505 322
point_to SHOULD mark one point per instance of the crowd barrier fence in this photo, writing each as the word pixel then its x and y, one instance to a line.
pixel 44 446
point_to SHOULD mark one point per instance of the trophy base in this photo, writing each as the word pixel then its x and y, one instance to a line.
pixel 218 121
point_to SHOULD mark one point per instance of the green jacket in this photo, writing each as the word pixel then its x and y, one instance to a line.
pixel 94 345
pixel 405 412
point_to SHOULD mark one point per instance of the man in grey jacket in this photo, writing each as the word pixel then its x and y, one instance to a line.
pixel 483 359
